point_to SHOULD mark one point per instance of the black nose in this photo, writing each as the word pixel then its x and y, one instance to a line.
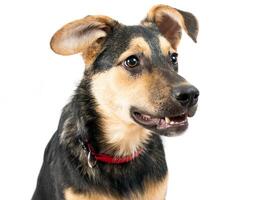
pixel 186 95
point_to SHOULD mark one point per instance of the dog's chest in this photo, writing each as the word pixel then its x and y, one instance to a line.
pixel 153 191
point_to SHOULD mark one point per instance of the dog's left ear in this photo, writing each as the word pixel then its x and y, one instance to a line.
pixel 79 35
pixel 171 21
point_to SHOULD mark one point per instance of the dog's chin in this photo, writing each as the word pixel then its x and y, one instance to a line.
pixel 168 125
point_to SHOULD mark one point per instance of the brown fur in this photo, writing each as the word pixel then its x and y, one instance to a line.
pixel 157 12
pixel 164 16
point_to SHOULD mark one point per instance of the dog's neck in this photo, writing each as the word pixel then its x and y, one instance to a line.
pixel 113 137
pixel 80 118
pixel 121 138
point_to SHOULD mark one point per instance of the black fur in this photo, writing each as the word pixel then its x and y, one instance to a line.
pixel 65 162
pixel 118 42
pixel 63 166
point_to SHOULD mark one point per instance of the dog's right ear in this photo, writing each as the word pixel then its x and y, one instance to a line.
pixel 170 22
pixel 77 36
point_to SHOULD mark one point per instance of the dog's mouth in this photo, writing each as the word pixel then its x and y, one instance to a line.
pixel 163 125
pixel 160 122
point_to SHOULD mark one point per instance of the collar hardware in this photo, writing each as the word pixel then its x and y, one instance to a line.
pixel 93 157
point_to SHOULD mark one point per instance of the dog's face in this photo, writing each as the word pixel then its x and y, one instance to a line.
pixel 133 70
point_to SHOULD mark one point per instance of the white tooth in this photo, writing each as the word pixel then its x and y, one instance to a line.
pixel 146 116
pixel 167 120
pixel 172 122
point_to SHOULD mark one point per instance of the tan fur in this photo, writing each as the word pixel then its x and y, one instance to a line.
pixel 72 39
pixel 69 194
pixel 125 138
pixel 165 45
pixel 89 55
pixel 153 191
pixel 136 45
pixel 146 24
pixel 147 93
pixel 120 131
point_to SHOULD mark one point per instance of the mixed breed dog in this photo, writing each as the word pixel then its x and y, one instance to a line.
pixel 108 143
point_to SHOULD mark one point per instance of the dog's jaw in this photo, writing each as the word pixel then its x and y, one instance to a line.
pixel 121 138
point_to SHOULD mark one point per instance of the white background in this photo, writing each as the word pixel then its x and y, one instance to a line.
pixel 230 151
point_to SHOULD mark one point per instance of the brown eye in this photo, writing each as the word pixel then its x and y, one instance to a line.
pixel 174 58
pixel 132 61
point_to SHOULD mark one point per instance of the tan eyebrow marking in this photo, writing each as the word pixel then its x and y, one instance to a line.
pixel 136 45
pixel 165 45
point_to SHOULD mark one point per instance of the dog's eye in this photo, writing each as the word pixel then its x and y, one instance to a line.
pixel 174 58
pixel 132 61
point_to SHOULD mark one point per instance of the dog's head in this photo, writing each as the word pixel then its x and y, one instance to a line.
pixel 133 70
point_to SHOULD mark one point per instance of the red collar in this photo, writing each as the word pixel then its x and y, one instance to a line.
pixel 93 156
pixel 110 159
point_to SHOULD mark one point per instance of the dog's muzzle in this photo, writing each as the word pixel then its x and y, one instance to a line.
pixel 171 119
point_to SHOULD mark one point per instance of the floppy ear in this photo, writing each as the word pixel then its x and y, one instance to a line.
pixel 77 36
pixel 171 21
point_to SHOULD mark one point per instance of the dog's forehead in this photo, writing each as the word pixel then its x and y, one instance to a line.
pixel 128 32
pixel 125 37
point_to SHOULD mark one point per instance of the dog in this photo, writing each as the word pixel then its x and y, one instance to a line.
pixel 108 142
